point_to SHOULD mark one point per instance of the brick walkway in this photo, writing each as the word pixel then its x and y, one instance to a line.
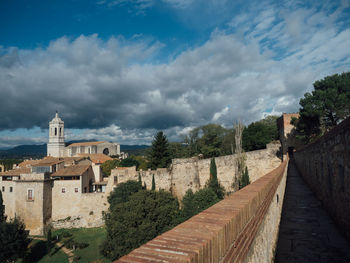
pixel 307 233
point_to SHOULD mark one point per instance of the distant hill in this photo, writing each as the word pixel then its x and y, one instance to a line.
pixel 39 151
pixel 22 151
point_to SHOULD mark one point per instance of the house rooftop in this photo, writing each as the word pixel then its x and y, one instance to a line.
pixel 74 170
pixel 28 163
pixel 85 144
pixel 48 161
pixel 16 172
pixel 96 158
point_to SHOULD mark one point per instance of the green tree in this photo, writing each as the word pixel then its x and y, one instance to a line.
pixel 146 215
pixel 260 133
pixel 194 203
pixel 2 209
pixel 13 240
pixel 323 108
pixel 213 182
pixel 159 154
pixel 129 162
pixel 153 183
pixel 140 182
pixel 122 192
pixel 109 165
pixel 244 181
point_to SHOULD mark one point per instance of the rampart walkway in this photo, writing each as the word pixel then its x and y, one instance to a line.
pixel 307 233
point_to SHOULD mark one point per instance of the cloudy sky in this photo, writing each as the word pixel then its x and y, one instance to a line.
pixel 120 70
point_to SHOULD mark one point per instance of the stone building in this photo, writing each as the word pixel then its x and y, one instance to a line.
pixel 287 132
pixel 57 147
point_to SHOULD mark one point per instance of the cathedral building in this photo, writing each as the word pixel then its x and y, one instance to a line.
pixel 57 147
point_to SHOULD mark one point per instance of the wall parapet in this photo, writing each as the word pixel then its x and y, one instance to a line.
pixel 225 232
pixel 325 166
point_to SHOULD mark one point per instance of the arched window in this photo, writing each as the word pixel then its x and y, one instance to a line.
pixel 55 131
pixel 60 131
pixel 106 151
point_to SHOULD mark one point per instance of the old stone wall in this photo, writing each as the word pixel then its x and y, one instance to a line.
pixel 87 212
pixel 193 173
pixel 36 212
pixel 241 228
pixel 71 208
pixel 325 166
pixel 8 197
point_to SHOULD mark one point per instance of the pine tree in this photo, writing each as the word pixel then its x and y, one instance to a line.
pixel 213 182
pixel 2 209
pixel 159 155
pixel 153 183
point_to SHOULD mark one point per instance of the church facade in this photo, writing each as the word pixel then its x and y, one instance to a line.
pixel 57 147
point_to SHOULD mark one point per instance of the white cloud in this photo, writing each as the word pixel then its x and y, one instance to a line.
pixel 113 90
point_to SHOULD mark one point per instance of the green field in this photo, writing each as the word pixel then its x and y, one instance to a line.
pixel 92 237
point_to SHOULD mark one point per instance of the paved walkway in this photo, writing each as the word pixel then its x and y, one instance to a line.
pixel 307 233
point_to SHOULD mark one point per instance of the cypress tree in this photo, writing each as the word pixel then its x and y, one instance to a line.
pixel 140 182
pixel 245 179
pixel 153 183
pixel 213 182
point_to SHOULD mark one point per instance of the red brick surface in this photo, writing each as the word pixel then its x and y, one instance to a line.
pixel 223 232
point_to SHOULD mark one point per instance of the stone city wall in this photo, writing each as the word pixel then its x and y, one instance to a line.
pixel 87 212
pixel 241 228
pixel 325 166
pixel 193 173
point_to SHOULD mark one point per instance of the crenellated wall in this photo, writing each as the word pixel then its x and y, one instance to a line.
pixel 241 228
pixel 325 166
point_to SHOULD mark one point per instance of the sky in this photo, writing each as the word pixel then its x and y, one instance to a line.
pixel 121 70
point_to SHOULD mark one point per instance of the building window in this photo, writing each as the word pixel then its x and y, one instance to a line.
pixel 76 190
pixel 63 190
pixel 30 195
pixel 11 189
pixel 55 131
pixel 3 188
pixel 115 180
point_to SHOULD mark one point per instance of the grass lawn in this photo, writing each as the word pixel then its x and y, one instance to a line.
pixel 92 236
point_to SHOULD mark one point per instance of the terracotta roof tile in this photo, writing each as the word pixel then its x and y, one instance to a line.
pixel 84 144
pixel 73 170
pixel 96 158
pixel 48 161
pixel 16 172
pixel 28 163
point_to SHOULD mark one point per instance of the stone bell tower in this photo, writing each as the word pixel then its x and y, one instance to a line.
pixel 56 145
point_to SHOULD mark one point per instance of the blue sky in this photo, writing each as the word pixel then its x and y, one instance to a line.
pixel 120 70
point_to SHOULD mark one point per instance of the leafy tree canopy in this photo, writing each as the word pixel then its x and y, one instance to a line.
pixel 129 162
pixel 13 240
pixel 323 108
pixel 211 140
pixel 194 203
pixel 123 192
pixel 159 156
pixel 146 215
pixel 260 133
pixel 109 165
